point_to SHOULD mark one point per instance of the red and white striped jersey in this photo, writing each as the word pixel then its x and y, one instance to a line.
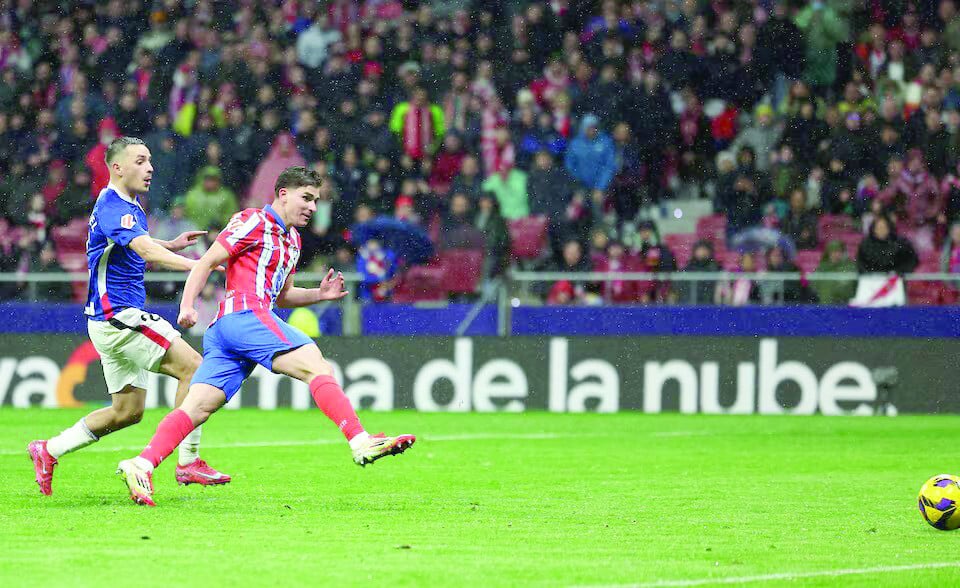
pixel 263 254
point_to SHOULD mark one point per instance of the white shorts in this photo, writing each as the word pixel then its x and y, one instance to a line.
pixel 130 344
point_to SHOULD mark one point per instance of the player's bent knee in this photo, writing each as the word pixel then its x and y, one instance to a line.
pixel 187 366
pixel 303 363
pixel 202 401
pixel 192 364
pixel 125 417
pixel 321 369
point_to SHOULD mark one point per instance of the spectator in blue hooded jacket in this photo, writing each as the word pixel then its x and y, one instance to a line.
pixel 591 158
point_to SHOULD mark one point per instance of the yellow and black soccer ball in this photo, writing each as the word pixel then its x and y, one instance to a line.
pixel 939 501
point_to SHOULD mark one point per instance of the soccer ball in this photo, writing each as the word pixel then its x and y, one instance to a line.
pixel 939 501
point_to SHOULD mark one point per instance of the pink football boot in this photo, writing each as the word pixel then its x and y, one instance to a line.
pixel 43 464
pixel 199 472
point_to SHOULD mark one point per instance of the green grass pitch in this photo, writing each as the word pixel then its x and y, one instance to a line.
pixel 492 500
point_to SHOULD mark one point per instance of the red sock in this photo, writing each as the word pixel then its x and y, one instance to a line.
pixel 170 432
pixel 334 403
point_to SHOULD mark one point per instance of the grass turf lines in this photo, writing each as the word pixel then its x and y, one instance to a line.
pixel 493 500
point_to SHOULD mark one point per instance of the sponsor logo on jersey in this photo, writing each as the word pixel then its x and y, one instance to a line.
pixel 127 221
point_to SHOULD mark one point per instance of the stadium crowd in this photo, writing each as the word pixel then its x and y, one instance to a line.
pixel 464 119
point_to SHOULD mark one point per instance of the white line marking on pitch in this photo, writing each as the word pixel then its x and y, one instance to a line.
pixel 427 438
pixel 789 576
pixel 305 443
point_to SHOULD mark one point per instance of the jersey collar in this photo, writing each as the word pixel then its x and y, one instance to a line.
pixel 276 217
pixel 122 195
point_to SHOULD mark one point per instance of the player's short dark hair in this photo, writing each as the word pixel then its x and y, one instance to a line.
pixel 297 177
pixel 117 146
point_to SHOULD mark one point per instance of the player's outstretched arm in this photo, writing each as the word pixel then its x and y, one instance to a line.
pixel 331 288
pixel 215 257
pixel 157 254
pixel 184 240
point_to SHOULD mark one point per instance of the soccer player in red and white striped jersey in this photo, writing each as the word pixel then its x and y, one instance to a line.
pixel 260 248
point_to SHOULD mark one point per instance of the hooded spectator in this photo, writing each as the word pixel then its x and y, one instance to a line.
pixel 834 260
pixel 209 203
pixel 591 157
pixel 762 137
pixel 283 154
pixel 823 29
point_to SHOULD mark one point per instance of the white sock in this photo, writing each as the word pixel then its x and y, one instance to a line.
pixel 72 439
pixel 143 463
pixel 190 448
pixel 358 439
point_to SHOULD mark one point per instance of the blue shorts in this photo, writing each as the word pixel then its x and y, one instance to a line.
pixel 237 342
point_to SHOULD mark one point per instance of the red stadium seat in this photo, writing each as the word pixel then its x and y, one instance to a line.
pixel 930 293
pixel 528 237
pixel 729 260
pixel 70 241
pixel 929 262
pixel 10 237
pixel 462 270
pixel 713 228
pixel 420 283
pixel 681 244
pixel 808 260
pixel 851 241
pixel 72 237
pixel 835 223
pixel 920 237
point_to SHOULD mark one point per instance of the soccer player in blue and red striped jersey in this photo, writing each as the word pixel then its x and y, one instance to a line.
pixel 260 248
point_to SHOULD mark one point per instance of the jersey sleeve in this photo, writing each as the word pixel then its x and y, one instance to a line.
pixel 244 230
pixel 119 223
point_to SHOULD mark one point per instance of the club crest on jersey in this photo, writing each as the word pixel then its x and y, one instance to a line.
pixel 127 221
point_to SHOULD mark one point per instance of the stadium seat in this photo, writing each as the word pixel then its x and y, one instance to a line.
pixel 462 270
pixel 420 283
pixel 852 242
pixel 833 224
pixel 528 237
pixel 9 238
pixel 920 237
pixel 929 262
pixel 728 260
pixel 70 241
pixel 808 260
pixel 681 244
pixel 930 293
pixel 72 237
pixel 713 228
